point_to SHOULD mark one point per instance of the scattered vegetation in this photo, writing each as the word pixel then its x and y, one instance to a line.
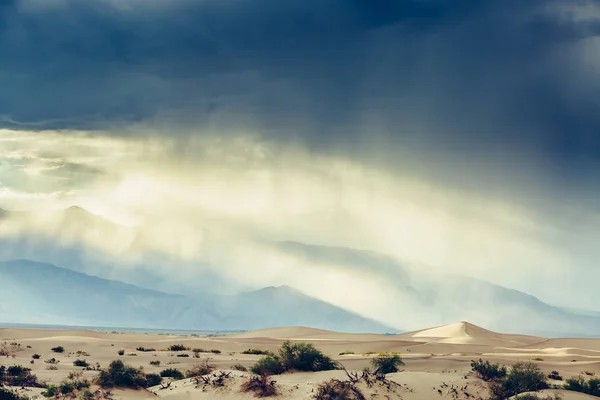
pixel 10 349
pixel 145 350
pixel 336 389
pixel 155 363
pixel 268 365
pixel 387 363
pixel 51 367
pixel 81 363
pixel 121 352
pixel 8 394
pixel 257 352
pixel 172 373
pixel 68 387
pixel 17 375
pixel 487 371
pixel 294 356
pixel 260 385
pixel 178 347
pixel 589 373
pixel 346 353
pixel 579 384
pixel 530 396
pixel 119 374
pixel 52 361
pixel 201 369
pixel 58 349
pixel 520 378
pixel 183 355
pixel 36 356
pixel 555 376
pixel 538 359
pixel 81 353
pixel 239 367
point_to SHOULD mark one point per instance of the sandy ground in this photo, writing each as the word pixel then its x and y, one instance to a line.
pixel 437 360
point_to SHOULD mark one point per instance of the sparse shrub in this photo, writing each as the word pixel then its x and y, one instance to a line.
pixel 589 373
pixel 51 391
pixel 199 350
pixel 153 380
pixel 579 384
pixel 52 361
pixel 538 359
pixel 121 352
pixel 201 369
pixel 257 352
pixel 36 356
pixel 239 367
pixel 58 349
pixel 172 373
pixel 336 389
pixel 119 374
pixel 143 349
pixel 82 353
pixel 268 365
pixel 10 349
pixel 183 355
pixel 555 376
pixel 488 371
pixel 81 363
pixel 178 347
pixel 8 394
pixel 51 367
pixel 260 385
pixel 215 351
pixel 155 363
pixel 387 363
pixel 17 375
pixel 346 353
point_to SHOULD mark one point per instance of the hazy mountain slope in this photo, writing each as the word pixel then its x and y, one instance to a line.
pixel 37 292
pixel 444 299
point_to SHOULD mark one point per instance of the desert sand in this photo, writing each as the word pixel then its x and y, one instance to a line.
pixel 437 359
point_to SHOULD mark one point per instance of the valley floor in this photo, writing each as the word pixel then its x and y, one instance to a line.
pixel 437 360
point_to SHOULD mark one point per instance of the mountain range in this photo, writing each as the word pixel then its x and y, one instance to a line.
pixel 36 292
pixel 92 292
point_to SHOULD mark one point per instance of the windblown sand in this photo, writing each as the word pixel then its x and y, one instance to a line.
pixel 437 360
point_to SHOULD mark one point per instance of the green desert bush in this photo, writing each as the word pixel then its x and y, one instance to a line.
pixel 304 357
pixel 387 363
pixel 488 371
pixel 172 373
pixel 121 352
pixel 268 365
pixel 579 384
pixel 178 347
pixel 336 389
pixel 118 374
pixel 346 353
pixel 260 385
pixel 294 356
pixel 153 380
pixel 36 356
pixel 521 378
pixel 58 349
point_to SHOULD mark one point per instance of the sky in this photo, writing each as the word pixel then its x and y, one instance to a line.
pixel 462 137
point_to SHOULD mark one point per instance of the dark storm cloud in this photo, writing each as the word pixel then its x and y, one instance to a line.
pixel 499 83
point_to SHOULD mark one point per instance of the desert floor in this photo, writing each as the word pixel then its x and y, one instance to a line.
pixel 437 360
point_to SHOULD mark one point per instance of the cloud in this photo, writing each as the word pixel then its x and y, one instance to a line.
pixel 462 135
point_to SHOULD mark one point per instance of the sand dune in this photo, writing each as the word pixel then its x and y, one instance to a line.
pixel 436 359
